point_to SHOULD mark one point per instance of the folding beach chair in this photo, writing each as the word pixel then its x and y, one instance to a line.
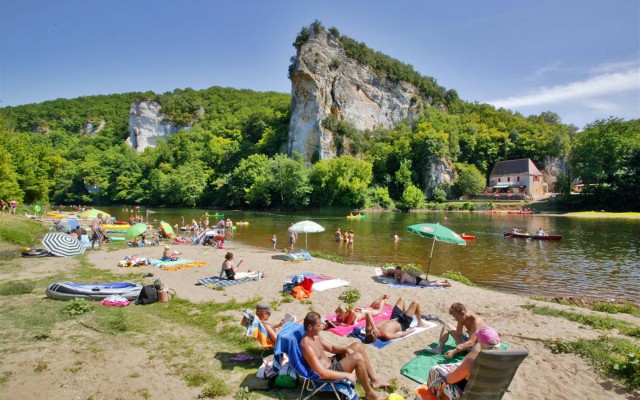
pixel 289 343
pixel 491 375
pixel 255 328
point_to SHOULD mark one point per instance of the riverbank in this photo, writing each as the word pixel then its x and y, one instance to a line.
pixel 78 360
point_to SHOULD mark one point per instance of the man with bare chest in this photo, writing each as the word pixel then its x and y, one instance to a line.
pixel 398 326
pixel 466 320
pixel 345 361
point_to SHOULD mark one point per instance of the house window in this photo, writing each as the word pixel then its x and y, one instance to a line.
pixel 508 179
pixel 518 178
pixel 498 180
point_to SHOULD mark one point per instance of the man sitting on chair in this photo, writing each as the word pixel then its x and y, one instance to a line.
pixel 345 361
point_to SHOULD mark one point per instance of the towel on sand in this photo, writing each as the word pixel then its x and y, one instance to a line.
pixel 344 330
pixel 358 333
pixel 392 282
pixel 418 367
pixel 181 263
pixel 215 281
pixel 322 282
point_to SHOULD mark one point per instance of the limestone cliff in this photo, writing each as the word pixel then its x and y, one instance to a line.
pixel 326 81
pixel 147 125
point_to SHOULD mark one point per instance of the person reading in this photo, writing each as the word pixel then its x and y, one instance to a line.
pixel 398 326
pixel 465 320
pixel 345 361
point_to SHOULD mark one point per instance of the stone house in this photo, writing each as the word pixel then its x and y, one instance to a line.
pixel 516 177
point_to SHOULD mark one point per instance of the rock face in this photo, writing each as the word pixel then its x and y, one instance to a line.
pixel 89 128
pixel 325 81
pixel 441 172
pixel 147 125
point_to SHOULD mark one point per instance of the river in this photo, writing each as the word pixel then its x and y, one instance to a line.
pixel 597 258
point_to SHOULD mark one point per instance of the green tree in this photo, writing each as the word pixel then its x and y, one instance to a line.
pixel 289 182
pixel 412 198
pixel 470 180
pixel 341 181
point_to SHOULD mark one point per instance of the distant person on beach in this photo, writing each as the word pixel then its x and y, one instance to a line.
pixel 98 232
pixel 405 277
pixel 398 326
pixel 338 235
pixel 345 361
pixel 396 237
pixel 292 238
pixel 14 204
pixel 449 380
pixel 274 241
pixel 4 205
pixel 465 320
pixel 167 255
pixel 348 317
pixel 231 270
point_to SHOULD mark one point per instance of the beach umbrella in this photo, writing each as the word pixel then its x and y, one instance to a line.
pixel 91 214
pixel 167 230
pixel 137 229
pixel 438 233
pixel 306 227
pixel 63 245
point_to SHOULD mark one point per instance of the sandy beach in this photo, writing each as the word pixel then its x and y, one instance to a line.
pixel 542 375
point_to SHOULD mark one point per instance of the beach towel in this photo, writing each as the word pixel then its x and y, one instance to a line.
pixel 175 265
pixel 358 333
pixel 344 330
pixel 214 282
pixel 322 282
pixel 392 282
pixel 298 256
pixel 418 367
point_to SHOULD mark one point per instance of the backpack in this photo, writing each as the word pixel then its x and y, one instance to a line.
pixel 286 378
pixel 147 295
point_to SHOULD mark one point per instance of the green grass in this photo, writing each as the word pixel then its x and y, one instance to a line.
pixel 20 231
pixel 593 321
pixel 16 288
pixel 330 257
pixel 458 277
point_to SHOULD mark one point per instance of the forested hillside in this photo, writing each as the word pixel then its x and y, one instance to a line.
pixel 232 155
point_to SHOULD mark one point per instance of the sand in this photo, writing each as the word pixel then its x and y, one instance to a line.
pixel 542 375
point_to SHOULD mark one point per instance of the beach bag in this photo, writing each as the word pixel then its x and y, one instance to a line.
pixel 268 369
pixel 285 379
pixel 147 295
pixel 164 295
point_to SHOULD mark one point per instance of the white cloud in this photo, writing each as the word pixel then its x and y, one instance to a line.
pixel 607 83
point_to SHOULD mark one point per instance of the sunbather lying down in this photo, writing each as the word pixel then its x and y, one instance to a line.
pixel 347 317
pixel 405 277
pixel 398 326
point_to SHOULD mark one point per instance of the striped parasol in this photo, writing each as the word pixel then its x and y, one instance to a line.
pixel 63 245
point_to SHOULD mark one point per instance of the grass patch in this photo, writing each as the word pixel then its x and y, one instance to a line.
pixel 330 257
pixel 614 358
pixel 593 321
pixel 602 306
pixel 215 388
pixel 20 231
pixel 16 288
pixel 458 277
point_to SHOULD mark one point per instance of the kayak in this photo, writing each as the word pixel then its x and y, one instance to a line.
pixel 92 291
pixel 532 236
pixel 121 223
pixel 114 226
pixel 468 237
pixel 520 212
pixel 356 216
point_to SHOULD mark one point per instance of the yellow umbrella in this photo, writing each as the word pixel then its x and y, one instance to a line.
pixel 167 230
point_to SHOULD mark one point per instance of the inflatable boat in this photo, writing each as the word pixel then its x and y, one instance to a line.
pixel 93 291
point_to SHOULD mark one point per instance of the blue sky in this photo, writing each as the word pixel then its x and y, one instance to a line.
pixel 578 58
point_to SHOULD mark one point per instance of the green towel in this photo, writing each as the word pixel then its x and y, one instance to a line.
pixel 418 368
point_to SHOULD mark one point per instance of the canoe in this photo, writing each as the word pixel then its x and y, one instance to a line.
pixel 532 236
pixel 520 212
pixel 121 223
pixel 468 237
pixel 356 216
pixel 92 291
pixel 124 227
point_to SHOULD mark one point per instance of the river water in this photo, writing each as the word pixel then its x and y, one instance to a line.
pixel 596 257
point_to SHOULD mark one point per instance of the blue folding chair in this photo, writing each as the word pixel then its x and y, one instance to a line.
pixel 289 343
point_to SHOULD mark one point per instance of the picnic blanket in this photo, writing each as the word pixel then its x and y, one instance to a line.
pixel 392 282
pixel 214 282
pixel 344 330
pixel 181 263
pixel 322 282
pixel 358 333
pixel 418 367
pixel 297 256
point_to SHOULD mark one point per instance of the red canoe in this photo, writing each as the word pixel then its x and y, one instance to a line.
pixel 532 236
pixel 467 237
pixel 121 223
pixel 519 212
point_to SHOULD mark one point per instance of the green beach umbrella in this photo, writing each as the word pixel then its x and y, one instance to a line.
pixel 438 233
pixel 167 229
pixel 137 229
pixel 91 214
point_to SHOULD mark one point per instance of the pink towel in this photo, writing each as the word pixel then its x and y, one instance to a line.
pixel 343 330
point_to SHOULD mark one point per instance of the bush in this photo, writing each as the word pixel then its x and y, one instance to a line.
pixel 350 296
pixel 77 307
pixel 16 288
pixel 458 277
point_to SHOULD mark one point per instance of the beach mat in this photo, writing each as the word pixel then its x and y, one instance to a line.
pixel 344 330
pixel 392 282
pixel 358 333
pixel 214 282
pixel 418 367
pixel 175 265
pixel 322 282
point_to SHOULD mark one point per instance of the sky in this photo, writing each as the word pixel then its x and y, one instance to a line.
pixel 577 58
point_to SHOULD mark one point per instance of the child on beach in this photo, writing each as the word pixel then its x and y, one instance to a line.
pixel 274 241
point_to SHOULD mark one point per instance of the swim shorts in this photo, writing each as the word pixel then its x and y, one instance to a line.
pixel 418 280
pixel 335 363
pixel 403 319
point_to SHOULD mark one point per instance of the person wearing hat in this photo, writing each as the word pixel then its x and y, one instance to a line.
pixel 167 255
pixel 447 381
pixel 263 312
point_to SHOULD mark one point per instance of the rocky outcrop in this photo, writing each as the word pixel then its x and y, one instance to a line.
pixel 89 128
pixel 325 81
pixel 147 125
pixel 441 173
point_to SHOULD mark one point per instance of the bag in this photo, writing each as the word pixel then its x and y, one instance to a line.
pixel 147 295
pixel 267 370
pixel 285 379
pixel 164 296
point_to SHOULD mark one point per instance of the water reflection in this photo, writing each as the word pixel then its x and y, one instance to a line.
pixel 595 258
